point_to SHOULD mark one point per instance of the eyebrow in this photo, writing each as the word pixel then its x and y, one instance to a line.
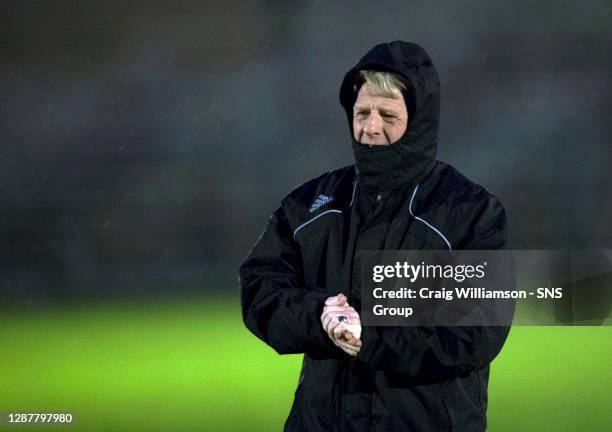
pixel 389 111
pixel 383 110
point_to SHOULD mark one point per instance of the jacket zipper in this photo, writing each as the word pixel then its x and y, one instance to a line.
pixel 370 396
pixel 345 377
pixel 369 426
pixel 351 249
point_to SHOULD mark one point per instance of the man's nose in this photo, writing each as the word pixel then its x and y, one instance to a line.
pixel 373 125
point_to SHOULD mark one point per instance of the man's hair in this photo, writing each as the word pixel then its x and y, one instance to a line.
pixel 383 83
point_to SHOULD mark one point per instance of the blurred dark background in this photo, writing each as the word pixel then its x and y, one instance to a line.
pixel 144 144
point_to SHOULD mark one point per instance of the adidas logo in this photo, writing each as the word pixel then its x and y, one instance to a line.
pixel 319 202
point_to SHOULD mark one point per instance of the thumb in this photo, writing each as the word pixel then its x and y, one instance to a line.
pixel 337 300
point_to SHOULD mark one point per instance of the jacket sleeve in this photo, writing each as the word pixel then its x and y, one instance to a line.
pixel 276 305
pixel 442 352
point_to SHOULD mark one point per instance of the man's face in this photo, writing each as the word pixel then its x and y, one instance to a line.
pixel 378 120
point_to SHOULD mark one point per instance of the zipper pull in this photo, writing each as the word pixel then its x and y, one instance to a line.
pixel 378 202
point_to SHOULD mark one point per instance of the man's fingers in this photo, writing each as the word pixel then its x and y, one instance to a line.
pixel 338 316
pixel 349 351
pixel 339 309
pixel 331 301
pixel 331 327
pixel 326 321
pixel 335 312
pixel 347 348
pixel 340 332
pixel 332 315
pixel 346 341
pixel 354 328
pixel 330 321
pixel 336 300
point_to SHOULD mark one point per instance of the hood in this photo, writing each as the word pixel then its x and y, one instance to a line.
pixel 413 156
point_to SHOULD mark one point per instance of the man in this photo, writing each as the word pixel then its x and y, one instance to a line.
pixel 300 284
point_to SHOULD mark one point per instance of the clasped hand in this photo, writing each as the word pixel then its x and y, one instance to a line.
pixel 345 333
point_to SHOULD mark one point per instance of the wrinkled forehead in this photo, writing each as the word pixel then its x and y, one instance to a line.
pixel 369 95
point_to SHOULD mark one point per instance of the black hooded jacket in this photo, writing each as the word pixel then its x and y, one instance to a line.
pixel 396 197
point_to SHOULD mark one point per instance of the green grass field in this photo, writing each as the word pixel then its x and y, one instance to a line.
pixel 193 366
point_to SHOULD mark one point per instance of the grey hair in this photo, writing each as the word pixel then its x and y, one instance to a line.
pixel 383 83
